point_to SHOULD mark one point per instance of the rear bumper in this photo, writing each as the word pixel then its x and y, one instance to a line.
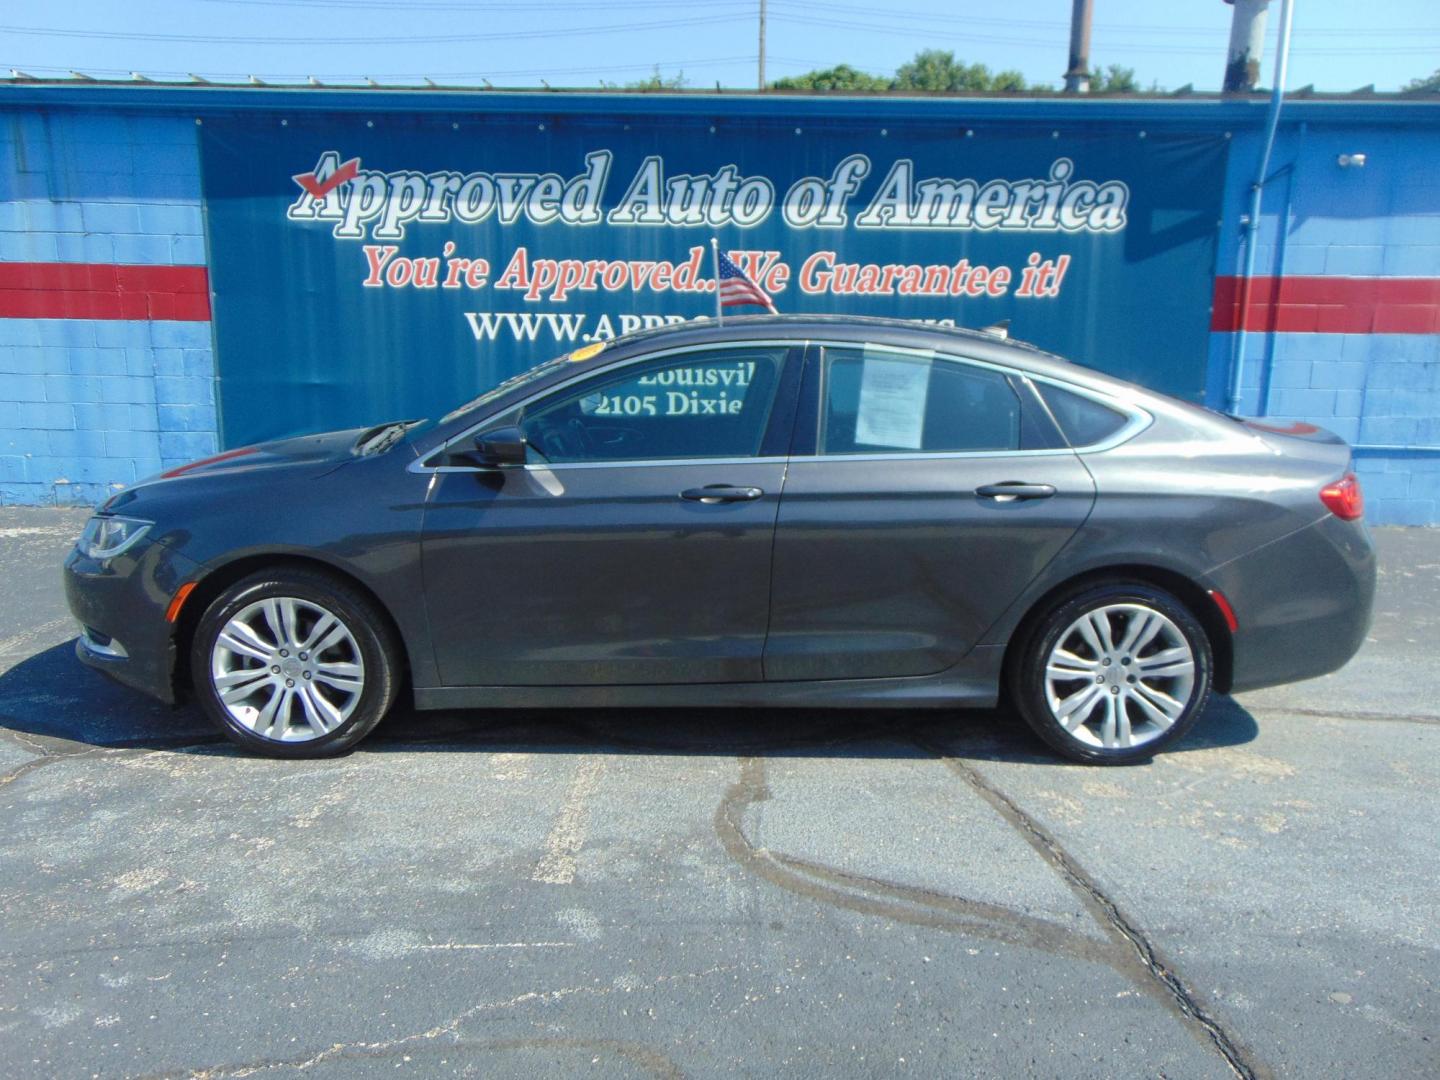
pixel 120 604
pixel 1303 603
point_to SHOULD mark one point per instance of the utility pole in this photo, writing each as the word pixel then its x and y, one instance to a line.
pixel 762 45
pixel 1077 78
pixel 1247 45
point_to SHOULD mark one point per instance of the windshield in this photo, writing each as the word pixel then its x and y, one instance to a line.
pixel 537 372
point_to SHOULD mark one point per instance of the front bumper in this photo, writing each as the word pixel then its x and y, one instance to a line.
pixel 1303 603
pixel 120 603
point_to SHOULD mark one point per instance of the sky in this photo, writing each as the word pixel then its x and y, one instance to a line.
pixel 1338 44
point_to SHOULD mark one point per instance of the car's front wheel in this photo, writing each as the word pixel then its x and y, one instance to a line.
pixel 294 663
pixel 1114 674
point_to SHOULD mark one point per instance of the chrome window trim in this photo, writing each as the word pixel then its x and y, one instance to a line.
pixel 1138 419
pixel 924 354
pixel 638 463
pixel 419 466
pixel 937 455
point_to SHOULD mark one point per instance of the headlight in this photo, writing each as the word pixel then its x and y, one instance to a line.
pixel 106 537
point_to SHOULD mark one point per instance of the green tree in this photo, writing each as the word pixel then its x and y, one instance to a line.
pixel 1431 83
pixel 655 81
pixel 938 70
pixel 1114 79
pixel 1012 81
pixel 840 77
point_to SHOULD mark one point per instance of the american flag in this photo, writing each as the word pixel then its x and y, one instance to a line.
pixel 737 289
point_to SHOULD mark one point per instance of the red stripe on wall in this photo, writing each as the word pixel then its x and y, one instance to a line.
pixel 103 291
pixel 1329 305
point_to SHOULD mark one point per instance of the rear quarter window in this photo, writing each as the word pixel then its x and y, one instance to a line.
pixel 1083 421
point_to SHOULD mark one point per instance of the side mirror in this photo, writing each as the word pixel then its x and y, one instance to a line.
pixel 500 446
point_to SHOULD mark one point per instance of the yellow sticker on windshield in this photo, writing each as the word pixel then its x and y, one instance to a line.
pixel 588 351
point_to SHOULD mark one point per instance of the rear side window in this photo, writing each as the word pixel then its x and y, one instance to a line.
pixel 878 401
pixel 1083 421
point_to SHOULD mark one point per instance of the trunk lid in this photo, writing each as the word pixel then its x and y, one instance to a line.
pixel 1303 441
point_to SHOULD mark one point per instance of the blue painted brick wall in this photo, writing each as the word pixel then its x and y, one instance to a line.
pixel 1382 220
pixel 87 406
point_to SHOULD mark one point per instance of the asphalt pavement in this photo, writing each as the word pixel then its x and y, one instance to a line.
pixel 705 893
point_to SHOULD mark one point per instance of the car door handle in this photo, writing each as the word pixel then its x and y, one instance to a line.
pixel 1014 489
pixel 711 494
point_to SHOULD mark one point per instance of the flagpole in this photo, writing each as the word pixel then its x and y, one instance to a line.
pixel 715 258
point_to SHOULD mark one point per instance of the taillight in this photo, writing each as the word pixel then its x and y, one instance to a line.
pixel 1344 498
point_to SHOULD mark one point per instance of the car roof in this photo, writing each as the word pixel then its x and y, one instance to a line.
pixel 982 344
pixel 797 325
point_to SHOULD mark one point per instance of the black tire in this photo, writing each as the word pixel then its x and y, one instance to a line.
pixel 367 625
pixel 1028 678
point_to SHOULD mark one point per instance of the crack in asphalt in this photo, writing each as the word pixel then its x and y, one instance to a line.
pixel 1354 714
pixel 39 744
pixel 902 903
pixel 47 749
pixel 50 749
pixel 645 1057
pixel 25 768
pixel 640 1054
pixel 336 939
pixel 1163 975
pixel 994 921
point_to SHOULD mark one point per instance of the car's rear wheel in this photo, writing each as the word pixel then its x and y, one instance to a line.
pixel 294 663
pixel 1114 674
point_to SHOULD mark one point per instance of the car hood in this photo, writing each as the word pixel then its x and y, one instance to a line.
pixel 320 452
pixel 312 454
pixel 259 483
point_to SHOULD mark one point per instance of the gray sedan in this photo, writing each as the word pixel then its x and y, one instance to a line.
pixel 776 511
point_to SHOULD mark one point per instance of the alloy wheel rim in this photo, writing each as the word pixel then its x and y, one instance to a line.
pixel 1119 676
pixel 287 669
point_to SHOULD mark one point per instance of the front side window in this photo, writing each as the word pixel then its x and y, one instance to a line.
pixel 878 401
pixel 702 404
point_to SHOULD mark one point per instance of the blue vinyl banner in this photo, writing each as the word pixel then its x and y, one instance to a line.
pixel 370 270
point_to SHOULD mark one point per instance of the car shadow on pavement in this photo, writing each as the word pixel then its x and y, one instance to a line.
pixel 52 698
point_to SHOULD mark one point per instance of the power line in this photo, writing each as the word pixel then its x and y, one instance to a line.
pixel 929 16
pixel 794 12
pixel 353 77
pixel 823 6
pixel 888 12
pixel 399 7
pixel 429 39
pixel 396 8
pixel 1109 44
